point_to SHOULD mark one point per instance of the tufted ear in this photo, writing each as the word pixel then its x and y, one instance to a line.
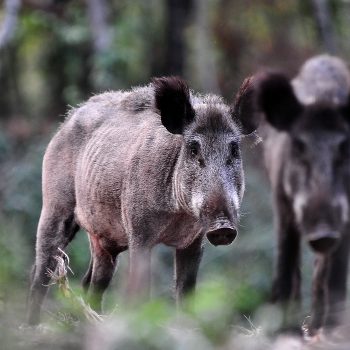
pixel 172 99
pixel 277 100
pixel 244 107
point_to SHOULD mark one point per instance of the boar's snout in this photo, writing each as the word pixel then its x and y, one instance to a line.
pixel 222 233
pixel 323 241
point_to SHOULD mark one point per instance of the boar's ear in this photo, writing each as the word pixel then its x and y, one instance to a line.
pixel 277 100
pixel 345 110
pixel 172 99
pixel 244 108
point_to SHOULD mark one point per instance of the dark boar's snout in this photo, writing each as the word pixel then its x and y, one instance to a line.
pixel 222 234
pixel 323 241
pixel 221 217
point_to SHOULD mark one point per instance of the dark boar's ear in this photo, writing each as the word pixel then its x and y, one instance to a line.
pixel 345 110
pixel 172 99
pixel 277 100
pixel 244 107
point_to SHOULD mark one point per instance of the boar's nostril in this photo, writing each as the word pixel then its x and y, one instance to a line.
pixel 324 244
pixel 222 236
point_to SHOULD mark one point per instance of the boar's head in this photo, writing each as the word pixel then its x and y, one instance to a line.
pixel 208 180
pixel 316 159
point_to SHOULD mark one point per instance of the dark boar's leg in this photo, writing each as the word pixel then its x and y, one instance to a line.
pixel 337 281
pixel 186 267
pixel 319 292
pixel 55 230
pixel 286 284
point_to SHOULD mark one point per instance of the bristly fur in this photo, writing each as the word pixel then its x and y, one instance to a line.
pixel 116 169
pixel 170 92
pixel 307 154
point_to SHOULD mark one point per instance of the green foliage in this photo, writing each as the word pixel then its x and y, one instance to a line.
pixel 22 193
pixel 14 255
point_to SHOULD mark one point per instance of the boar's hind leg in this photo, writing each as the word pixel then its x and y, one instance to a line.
pixel 102 266
pixel 85 282
pixel 186 267
pixel 55 231
pixel 337 282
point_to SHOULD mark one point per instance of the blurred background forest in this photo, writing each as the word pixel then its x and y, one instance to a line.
pixel 57 53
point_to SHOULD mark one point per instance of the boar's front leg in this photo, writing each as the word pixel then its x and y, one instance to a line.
pixel 139 271
pixel 337 281
pixel 186 267
pixel 286 284
pixel 319 292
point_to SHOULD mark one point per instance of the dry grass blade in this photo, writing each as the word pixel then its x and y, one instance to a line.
pixel 59 277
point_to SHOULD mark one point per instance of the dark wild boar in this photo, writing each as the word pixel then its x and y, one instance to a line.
pixel 307 156
pixel 156 164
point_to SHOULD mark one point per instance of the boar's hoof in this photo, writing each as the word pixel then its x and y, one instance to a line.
pixel 323 243
pixel 222 236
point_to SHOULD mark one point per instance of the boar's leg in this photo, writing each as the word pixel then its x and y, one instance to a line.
pixel 104 263
pixel 55 231
pixel 186 267
pixel 85 282
pixel 337 281
pixel 286 283
pixel 139 271
pixel 319 292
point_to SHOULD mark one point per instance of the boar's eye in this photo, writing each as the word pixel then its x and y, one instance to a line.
pixel 299 146
pixel 234 152
pixel 194 148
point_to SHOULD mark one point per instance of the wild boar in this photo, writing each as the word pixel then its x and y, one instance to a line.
pixel 157 164
pixel 307 156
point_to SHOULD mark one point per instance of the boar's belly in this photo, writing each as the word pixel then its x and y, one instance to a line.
pixel 102 220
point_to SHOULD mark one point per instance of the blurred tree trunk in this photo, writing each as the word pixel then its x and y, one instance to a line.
pixel 102 39
pixel 10 98
pixel 9 24
pixel 324 24
pixel 231 43
pixel 205 65
pixel 178 14
pixel 98 11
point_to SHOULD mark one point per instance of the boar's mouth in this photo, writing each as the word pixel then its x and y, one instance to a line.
pixel 223 235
